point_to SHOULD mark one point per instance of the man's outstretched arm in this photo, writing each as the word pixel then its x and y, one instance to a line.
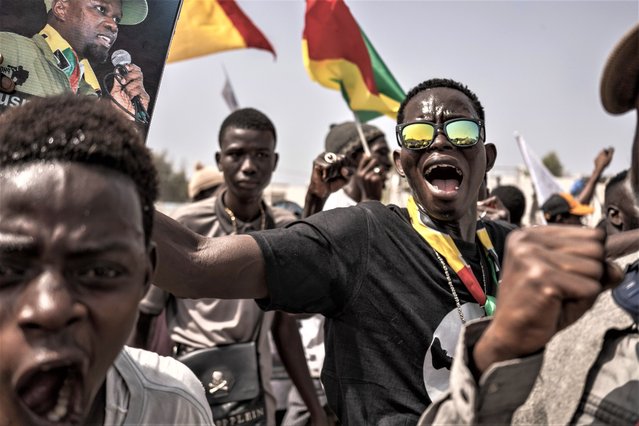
pixel 192 266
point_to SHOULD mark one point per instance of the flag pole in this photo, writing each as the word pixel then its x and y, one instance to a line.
pixel 228 93
pixel 362 139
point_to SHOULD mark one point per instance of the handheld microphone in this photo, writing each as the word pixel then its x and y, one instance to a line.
pixel 119 59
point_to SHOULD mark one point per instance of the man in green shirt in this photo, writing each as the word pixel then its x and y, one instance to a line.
pixel 56 60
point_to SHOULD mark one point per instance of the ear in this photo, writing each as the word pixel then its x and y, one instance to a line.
pixel 614 217
pixel 276 159
pixel 491 155
pixel 217 160
pixel 152 262
pixel 59 9
pixel 398 163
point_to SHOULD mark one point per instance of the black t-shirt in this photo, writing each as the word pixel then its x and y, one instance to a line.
pixel 392 322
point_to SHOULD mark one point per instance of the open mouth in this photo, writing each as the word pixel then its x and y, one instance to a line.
pixel 53 393
pixel 106 40
pixel 444 177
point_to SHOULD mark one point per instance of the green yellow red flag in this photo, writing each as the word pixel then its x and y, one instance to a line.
pixel 210 26
pixel 338 55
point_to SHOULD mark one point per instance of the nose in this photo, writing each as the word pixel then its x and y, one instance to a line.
pixel 248 166
pixel 48 305
pixel 111 26
pixel 441 140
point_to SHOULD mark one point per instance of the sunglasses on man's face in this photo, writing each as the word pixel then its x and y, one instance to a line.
pixel 461 132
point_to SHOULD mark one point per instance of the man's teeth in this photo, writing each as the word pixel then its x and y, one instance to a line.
pixel 434 166
pixel 437 187
pixel 62 405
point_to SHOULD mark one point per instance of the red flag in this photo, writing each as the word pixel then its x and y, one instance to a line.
pixel 210 26
pixel 338 55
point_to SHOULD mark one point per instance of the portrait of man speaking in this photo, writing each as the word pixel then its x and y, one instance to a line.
pixel 63 55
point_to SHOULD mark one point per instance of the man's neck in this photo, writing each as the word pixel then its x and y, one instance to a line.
pixel 245 210
pixel 353 191
pixel 96 414
pixel 462 229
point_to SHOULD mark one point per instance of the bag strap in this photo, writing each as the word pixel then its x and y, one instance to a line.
pixel 258 327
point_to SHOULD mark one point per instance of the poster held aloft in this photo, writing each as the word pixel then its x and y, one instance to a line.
pixel 45 55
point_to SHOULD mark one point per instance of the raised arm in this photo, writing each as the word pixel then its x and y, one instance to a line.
pixel 557 270
pixel 602 160
pixel 329 175
pixel 551 276
pixel 192 266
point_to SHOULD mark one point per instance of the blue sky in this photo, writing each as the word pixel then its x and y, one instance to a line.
pixel 535 65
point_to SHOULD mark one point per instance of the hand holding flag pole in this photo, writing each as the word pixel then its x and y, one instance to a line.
pixel 362 138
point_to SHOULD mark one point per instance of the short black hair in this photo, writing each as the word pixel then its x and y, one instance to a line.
pixel 615 180
pixel 513 199
pixel 80 129
pixel 247 118
pixel 440 82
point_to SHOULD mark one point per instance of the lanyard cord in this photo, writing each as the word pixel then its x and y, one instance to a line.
pixel 445 247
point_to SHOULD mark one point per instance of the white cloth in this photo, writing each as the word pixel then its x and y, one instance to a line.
pixel 143 388
pixel 338 199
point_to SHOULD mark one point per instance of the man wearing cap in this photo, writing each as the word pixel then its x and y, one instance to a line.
pixel 57 59
pixel 366 183
pixel 562 208
pixel 554 359
pixel 205 182
pixel 369 174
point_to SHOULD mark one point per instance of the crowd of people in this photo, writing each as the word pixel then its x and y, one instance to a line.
pixel 444 311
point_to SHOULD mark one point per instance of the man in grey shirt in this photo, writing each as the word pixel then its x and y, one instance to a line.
pixel 247 159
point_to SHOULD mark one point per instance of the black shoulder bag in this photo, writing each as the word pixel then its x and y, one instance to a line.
pixel 230 375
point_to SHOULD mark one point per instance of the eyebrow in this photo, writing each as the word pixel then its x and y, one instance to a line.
pixel 13 243
pixel 90 250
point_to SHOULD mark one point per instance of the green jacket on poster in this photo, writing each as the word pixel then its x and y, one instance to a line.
pixel 31 64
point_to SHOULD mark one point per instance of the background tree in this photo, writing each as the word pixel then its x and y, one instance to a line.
pixel 552 163
pixel 173 184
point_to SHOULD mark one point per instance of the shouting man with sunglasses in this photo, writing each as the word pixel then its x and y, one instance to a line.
pixel 395 284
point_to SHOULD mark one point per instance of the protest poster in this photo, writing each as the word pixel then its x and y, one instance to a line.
pixel 35 45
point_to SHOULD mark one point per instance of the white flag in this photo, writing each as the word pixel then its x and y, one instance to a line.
pixel 543 181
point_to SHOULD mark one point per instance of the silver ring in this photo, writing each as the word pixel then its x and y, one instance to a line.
pixel 377 170
pixel 330 158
